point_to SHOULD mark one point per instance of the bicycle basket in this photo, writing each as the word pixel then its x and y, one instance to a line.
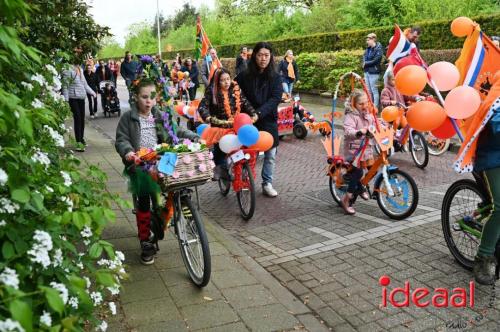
pixel 191 169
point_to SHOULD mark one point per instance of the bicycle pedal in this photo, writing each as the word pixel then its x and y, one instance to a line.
pixel 456 227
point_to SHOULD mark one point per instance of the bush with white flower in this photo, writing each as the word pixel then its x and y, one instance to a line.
pixel 56 273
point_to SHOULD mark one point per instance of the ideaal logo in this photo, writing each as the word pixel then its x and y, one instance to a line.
pixel 423 297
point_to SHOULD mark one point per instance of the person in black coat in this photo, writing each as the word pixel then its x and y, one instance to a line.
pixel 261 84
pixel 103 73
pixel 191 67
pixel 241 61
pixel 91 79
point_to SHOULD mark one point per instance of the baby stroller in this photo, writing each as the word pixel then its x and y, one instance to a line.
pixel 109 98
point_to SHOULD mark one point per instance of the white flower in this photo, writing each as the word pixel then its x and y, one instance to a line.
pixel 58 258
pixel 102 327
pixel 102 262
pixel 73 302
pixel 86 242
pixel 86 232
pixel 41 157
pixel 40 251
pixel 68 201
pixel 120 255
pixel 56 83
pixel 194 147
pixel 56 95
pixel 96 297
pixel 112 308
pixel 49 189
pixel 58 139
pixel 2 223
pixel 37 103
pixel 87 280
pixel 6 206
pixel 63 237
pixel 67 179
pixel 51 69
pixel 27 85
pixel 16 114
pixel 9 278
pixel 45 319
pixel 115 290
pixel 61 288
pixel 10 325
pixel 39 78
pixel 3 177
pixel 79 265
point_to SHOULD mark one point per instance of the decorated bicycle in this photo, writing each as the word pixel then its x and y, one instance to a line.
pixel 395 190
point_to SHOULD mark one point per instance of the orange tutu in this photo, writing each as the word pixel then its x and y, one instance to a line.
pixel 212 135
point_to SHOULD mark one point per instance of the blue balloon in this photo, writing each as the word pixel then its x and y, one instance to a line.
pixel 248 135
pixel 201 128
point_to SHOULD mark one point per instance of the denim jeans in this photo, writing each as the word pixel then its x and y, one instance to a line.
pixel 288 87
pixel 371 81
pixel 268 166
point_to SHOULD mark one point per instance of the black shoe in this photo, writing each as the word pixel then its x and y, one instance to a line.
pixel 484 269
pixel 148 252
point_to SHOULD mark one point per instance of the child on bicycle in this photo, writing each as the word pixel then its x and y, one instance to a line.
pixel 144 127
pixel 358 120
pixel 223 100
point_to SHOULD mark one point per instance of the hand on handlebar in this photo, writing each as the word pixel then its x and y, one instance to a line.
pixel 255 118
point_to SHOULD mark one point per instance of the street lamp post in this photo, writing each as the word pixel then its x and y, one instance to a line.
pixel 158 25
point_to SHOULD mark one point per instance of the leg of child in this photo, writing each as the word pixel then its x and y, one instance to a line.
pixel 143 217
pixel 353 187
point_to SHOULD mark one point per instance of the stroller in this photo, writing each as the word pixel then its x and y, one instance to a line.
pixel 109 98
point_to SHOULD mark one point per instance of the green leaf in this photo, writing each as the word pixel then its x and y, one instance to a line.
pixel 22 312
pixel 54 299
pixel 21 195
pixel 109 214
pixel 26 126
pixel 105 278
pixel 77 281
pixel 8 250
pixel 37 200
pixel 69 322
pixel 78 220
pixel 56 328
pixel 95 250
pixel 110 251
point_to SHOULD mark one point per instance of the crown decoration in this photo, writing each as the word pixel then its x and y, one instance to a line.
pixel 327 144
pixel 384 137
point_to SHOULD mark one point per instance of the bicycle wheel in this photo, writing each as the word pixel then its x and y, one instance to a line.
pixel 419 150
pixel 405 199
pixel 338 192
pixel 459 204
pixel 246 196
pixel 224 186
pixel 436 145
pixel 193 242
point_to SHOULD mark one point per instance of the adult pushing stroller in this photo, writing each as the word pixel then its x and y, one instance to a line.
pixel 109 98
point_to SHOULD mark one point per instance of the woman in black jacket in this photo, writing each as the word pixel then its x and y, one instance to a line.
pixel 192 68
pixel 91 79
pixel 261 84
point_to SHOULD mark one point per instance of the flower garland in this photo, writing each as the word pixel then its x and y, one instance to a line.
pixel 171 129
pixel 237 97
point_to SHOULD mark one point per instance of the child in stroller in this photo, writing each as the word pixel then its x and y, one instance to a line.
pixel 109 98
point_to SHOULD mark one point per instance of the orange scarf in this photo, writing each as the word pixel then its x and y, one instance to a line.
pixel 467 153
pixel 291 72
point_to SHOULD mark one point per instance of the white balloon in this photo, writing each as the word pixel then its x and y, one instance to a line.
pixel 185 110
pixel 444 74
pixel 229 143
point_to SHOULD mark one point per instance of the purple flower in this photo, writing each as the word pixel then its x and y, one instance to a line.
pixel 146 59
pixel 186 142
pixel 162 80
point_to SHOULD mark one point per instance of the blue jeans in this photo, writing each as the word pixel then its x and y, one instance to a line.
pixel 268 166
pixel 371 81
pixel 288 87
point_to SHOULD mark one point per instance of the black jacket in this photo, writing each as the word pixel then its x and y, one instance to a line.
pixel 193 74
pixel 208 108
pixel 91 80
pixel 106 76
pixel 264 96
pixel 241 64
pixel 372 59
pixel 283 70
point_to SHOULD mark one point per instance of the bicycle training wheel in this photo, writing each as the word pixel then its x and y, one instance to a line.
pixel 419 150
pixel 193 243
pixel 436 145
pixel 246 196
pixel 460 206
pixel 405 199
pixel 339 191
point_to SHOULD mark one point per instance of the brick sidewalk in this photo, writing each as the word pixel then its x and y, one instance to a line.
pixel 241 295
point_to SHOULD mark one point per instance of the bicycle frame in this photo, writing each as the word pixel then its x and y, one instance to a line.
pixel 249 156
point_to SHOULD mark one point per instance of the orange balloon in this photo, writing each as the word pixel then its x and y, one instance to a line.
pixel 462 26
pixel 192 110
pixel 425 115
pixel 264 143
pixel 180 75
pixel 411 80
pixel 390 113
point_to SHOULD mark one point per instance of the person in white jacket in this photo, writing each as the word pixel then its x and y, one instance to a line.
pixel 75 90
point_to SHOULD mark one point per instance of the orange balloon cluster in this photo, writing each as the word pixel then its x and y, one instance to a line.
pixel 411 80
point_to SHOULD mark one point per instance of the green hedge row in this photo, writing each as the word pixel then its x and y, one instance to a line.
pixel 436 35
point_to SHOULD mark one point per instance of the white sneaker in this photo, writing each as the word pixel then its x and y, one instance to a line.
pixel 92 116
pixel 268 190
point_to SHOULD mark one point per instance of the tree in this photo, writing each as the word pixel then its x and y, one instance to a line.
pixel 110 48
pixel 187 15
pixel 61 25
pixel 140 40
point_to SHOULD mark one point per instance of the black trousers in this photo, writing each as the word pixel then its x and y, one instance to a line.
pixel 78 109
pixel 92 104
pixel 192 93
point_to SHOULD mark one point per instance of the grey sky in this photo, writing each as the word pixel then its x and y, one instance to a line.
pixel 119 14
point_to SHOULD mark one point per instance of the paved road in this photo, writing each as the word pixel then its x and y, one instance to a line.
pixel 333 262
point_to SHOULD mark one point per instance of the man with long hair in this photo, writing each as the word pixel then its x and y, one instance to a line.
pixel 262 86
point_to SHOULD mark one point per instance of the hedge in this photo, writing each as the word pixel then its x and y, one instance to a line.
pixel 436 35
